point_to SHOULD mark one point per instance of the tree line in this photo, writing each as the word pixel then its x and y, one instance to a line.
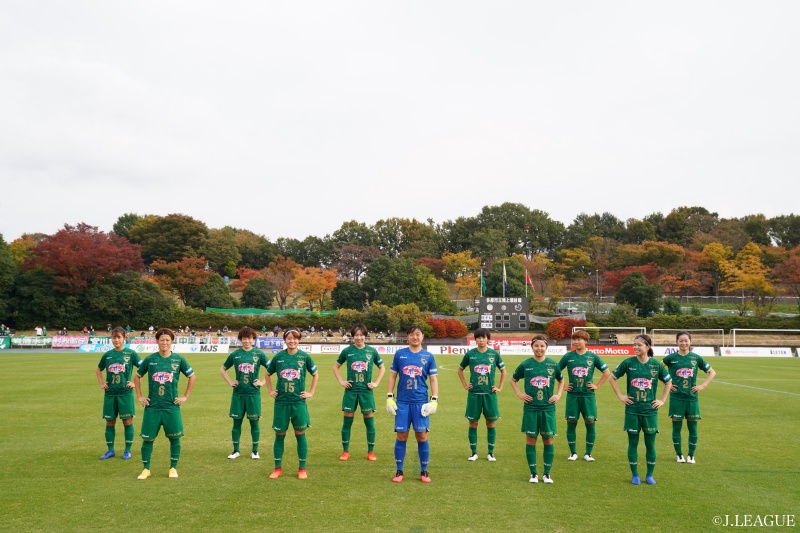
pixel 149 264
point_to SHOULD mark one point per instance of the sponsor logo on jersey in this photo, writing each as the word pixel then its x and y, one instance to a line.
pixel 482 369
pixel 290 373
pixel 412 371
pixel 540 382
pixel 162 377
pixel 684 372
pixel 580 371
pixel 359 366
pixel 247 368
pixel 641 383
pixel 116 368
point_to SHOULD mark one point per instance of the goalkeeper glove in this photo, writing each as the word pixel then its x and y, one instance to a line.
pixel 430 407
pixel 391 405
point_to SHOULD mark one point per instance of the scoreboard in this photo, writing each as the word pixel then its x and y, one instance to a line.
pixel 504 314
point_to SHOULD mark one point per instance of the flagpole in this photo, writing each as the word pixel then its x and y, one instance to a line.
pixel 526 283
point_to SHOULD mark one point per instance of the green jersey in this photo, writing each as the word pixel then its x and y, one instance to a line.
pixel 642 383
pixel 683 369
pixel 482 366
pixel 359 366
pixel 580 370
pixel 539 382
pixel 162 382
pixel 247 366
pixel 119 370
pixel 291 370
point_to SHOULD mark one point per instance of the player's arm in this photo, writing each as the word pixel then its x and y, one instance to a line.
pixel 224 373
pixel 189 386
pixel 343 383
pixel 101 379
pixel 464 383
pixel 310 392
pixel 374 384
pixel 391 381
pixel 627 400
pixel 499 388
pixel 603 379
pixel 709 378
pixel 434 387
pixel 137 385
pixel 521 396
pixel 268 382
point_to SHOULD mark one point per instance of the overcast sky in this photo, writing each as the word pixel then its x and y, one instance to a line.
pixel 289 118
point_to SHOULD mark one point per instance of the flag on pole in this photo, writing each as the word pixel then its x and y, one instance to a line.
pixel 483 284
pixel 505 283
pixel 528 281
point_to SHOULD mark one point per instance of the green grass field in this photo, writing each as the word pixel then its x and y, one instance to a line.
pixel 52 435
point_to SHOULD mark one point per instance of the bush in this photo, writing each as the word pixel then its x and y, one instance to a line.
pixel 561 328
pixel 672 306
pixel 455 328
pixel 591 329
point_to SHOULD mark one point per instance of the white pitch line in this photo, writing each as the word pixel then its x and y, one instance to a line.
pixel 757 388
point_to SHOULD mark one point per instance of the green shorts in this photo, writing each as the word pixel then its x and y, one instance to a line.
pixel 636 423
pixel 535 423
pixel 297 413
pixel 683 409
pixel 585 406
pixel 153 419
pixel 123 406
pixel 482 403
pixel 351 400
pixel 246 403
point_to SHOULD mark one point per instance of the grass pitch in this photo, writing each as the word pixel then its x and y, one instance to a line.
pixel 51 435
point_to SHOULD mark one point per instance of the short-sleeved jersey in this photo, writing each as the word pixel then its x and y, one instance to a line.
pixel 247 366
pixel 683 369
pixel 580 370
pixel 412 371
pixel 291 370
pixel 359 366
pixel 482 367
pixel 642 383
pixel 162 379
pixel 539 381
pixel 119 370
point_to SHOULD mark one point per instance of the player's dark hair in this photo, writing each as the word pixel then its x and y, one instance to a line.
pixel 358 327
pixel 648 341
pixel 580 334
pixel 681 333
pixel 413 327
pixel 165 331
pixel 247 331
pixel 294 331
pixel 539 338
pixel 120 330
pixel 482 332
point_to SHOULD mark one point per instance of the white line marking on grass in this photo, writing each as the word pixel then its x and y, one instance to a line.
pixel 757 388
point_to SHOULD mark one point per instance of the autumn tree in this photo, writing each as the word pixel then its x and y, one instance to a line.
pixel 714 256
pixel 351 260
pixel 280 274
pixel 460 264
pixel 787 275
pixel 434 264
pixel 181 277
pixel 746 273
pixel 81 256
pixel 22 248
pixel 314 285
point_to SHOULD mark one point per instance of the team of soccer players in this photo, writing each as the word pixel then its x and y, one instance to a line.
pixel 414 371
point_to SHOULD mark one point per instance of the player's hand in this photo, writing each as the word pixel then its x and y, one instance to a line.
pixel 696 388
pixel 372 385
pixel 391 405
pixel 590 386
pixel 554 398
pixel 627 400
pixel 144 401
pixel 346 384
pixel 306 394
pixel 235 383
pixel 568 388
pixel 674 387
pixel 468 386
pixel 104 386
pixel 495 389
pixel 525 397
pixel 259 383
pixel 129 384
pixel 430 407
pixel 657 403
pixel 180 399
pixel 273 393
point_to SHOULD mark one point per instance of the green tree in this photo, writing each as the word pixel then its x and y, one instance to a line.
pixel 259 293
pixel 785 230
pixel 433 293
pixel 515 276
pixel 169 238
pixel 124 224
pixel 586 226
pixel 256 250
pixel 213 293
pixel 8 272
pixel 221 250
pixel 355 233
pixel 127 298
pixel 637 292
pixel 348 295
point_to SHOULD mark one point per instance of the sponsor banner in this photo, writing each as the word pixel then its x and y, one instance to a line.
pixel 142 340
pixel 5 343
pixel 69 341
pixel 89 348
pixel 100 340
pixel 25 342
pixel 756 352
pixel 147 349
pixel 703 351
pixel 448 349
pixel 552 351
pixel 496 343
pixel 269 343
pixel 605 350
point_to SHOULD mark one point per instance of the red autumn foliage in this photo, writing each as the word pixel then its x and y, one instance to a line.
pixel 447 327
pixel 561 328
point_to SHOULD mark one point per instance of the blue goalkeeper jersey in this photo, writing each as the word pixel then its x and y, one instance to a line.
pixel 412 371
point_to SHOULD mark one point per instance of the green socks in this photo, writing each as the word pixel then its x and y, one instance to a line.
pixel 174 452
pixel 549 454
pixel 633 452
pixel 128 436
pixel 278 449
pixel 692 426
pixel 370 423
pixel 530 454
pixel 676 436
pixel 591 434
pixel 147 453
pixel 346 425
pixel 491 436
pixel 236 433
pixel 572 436
pixel 473 440
pixel 650 452
pixel 110 435
pixel 255 433
pixel 302 449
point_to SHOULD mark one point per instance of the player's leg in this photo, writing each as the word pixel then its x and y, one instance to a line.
pixel 473 414
pixel 692 416
pixel 347 425
pixel 253 410
pixel 472 435
pixel 491 414
pixel 530 455
pixel 402 426
pixel 421 426
pixel 572 412
pixel 151 424
pixel 369 422
pixel 677 411
pixel 236 436
pixel 127 427
pixel 280 423
pixel 173 429
pixel 547 429
pixel 632 427
pixel 110 412
pixel 301 422
pixel 650 429
pixel 588 407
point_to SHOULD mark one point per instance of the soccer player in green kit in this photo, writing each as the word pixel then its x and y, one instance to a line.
pixel 118 398
pixel 482 391
pixel 641 405
pixel 162 406
pixel 580 364
pixel 539 412
pixel 358 387
pixel 290 396
pixel 683 366
pixel 246 400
